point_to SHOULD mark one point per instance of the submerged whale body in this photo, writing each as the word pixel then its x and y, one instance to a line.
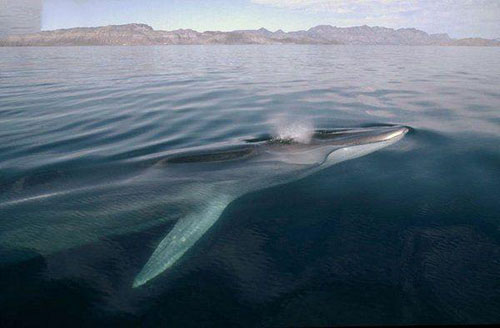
pixel 211 179
pixel 54 212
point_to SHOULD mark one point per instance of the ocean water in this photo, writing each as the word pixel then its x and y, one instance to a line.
pixel 407 235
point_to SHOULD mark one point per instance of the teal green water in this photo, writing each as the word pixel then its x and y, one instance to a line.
pixel 407 235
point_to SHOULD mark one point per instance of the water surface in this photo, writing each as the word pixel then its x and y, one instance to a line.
pixel 407 235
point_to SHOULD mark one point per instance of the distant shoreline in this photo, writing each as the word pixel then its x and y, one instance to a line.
pixel 235 45
pixel 144 35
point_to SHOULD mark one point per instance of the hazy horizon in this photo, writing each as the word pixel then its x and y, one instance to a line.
pixel 459 19
pixel 251 29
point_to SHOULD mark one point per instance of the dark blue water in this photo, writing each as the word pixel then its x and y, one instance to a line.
pixel 407 235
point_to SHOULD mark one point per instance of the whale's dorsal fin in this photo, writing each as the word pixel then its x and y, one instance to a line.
pixel 186 232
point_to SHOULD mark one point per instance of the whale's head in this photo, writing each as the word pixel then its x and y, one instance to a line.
pixel 328 147
pixel 320 148
pixel 359 136
pixel 353 143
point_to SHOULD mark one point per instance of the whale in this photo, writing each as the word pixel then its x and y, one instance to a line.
pixel 218 177
pixel 185 191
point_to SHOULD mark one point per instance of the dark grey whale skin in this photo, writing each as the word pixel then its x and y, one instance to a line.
pixel 213 178
pixel 199 183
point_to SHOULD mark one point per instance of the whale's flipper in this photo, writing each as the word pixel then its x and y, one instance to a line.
pixel 186 232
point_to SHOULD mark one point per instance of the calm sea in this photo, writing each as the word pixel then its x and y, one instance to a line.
pixel 407 235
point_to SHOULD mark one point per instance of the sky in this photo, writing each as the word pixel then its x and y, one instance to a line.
pixel 459 18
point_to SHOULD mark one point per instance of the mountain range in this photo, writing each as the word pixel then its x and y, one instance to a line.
pixel 141 34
